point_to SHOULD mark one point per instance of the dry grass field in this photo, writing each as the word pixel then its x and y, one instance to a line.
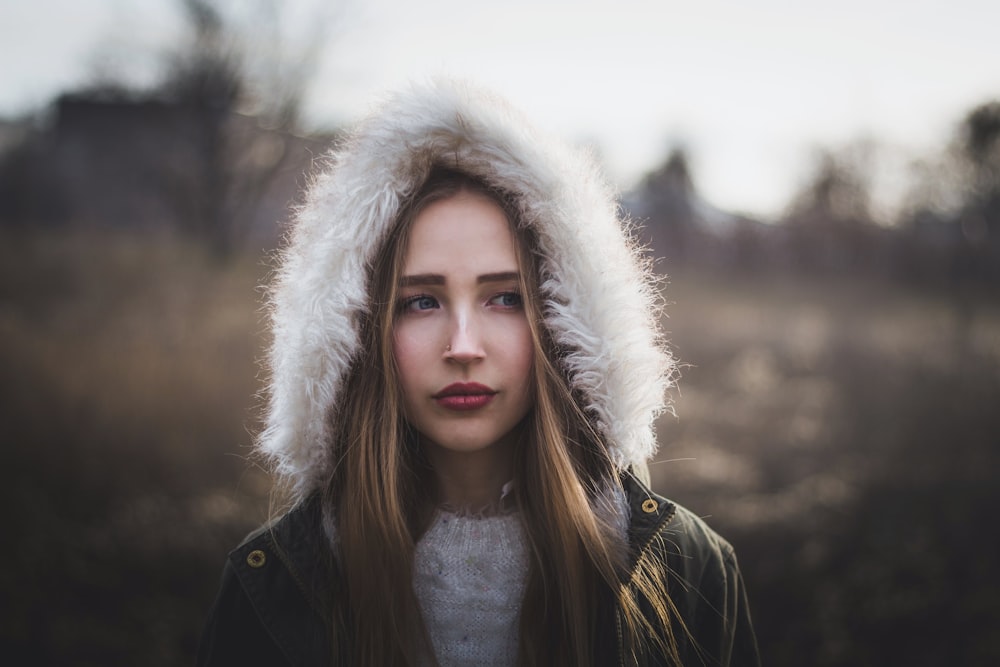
pixel 845 436
pixel 128 374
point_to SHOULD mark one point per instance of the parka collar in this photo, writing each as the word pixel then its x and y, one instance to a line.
pixel 296 543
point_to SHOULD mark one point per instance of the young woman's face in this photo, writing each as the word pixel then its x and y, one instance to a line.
pixel 461 339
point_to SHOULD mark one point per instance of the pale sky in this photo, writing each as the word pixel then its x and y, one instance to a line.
pixel 750 88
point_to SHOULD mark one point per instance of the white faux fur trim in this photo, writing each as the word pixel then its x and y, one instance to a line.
pixel 600 299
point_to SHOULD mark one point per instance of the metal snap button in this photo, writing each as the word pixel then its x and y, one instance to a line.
pixel 649 505
pixel 256 558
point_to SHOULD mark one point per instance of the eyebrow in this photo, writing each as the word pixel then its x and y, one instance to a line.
pixel 500 277
pixel 422 279
pixel 438 279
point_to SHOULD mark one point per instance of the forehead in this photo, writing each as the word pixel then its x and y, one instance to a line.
pixel 467 231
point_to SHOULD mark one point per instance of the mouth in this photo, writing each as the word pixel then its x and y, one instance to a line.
pixel 465 396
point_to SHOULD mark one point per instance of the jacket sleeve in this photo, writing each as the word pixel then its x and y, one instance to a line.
pixel 738 642
pixel 710 599
pixel 720 624
pixel 234 633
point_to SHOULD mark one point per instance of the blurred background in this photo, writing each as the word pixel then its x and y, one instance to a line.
pixel 820 185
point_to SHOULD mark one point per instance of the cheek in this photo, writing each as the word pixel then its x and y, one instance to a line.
pixel 522 356
pixel 411 350
pixel 406 356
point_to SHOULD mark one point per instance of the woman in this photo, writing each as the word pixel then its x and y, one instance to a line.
pixel 465 371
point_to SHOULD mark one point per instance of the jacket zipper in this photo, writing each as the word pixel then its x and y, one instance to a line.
pixel 642 554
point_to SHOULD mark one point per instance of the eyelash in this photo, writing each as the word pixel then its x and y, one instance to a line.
pixel 407 304
pixel 410 301
pixel 513 293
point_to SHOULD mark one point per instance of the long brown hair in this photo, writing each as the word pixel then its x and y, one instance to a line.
pixel 379 500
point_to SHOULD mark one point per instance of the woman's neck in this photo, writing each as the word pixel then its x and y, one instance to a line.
pixel 471 481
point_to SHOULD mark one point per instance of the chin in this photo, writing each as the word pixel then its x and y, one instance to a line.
pixel 470 442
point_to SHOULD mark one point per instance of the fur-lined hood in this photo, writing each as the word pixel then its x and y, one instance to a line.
pixel 599 299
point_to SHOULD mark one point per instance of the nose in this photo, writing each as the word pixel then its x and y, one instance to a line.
pixel 465 344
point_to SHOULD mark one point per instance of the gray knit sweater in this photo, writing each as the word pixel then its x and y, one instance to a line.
pixel 469 577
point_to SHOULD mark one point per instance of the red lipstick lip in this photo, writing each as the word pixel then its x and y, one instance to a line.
pixel 465 389
pixel 463 396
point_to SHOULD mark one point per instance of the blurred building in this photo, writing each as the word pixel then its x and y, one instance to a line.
pixel 120 161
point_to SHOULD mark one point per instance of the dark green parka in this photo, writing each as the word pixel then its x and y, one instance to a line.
pixel 275 606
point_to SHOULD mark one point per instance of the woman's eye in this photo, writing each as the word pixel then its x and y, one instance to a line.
pixel 507 300
pixel 419 303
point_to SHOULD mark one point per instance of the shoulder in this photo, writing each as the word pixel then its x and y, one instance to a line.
pixel 292 534
pixel 269 602
pixel 690 538
pixel 702 576
pixel 658 526
pixel 290 557
pixel 666 533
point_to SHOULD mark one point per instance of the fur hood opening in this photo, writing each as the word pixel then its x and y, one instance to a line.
pixel 599 297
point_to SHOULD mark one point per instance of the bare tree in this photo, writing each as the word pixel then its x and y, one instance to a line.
pixel 665 199
pixel 829 222
pixel 979 142
pixel 977 251
pixel 241 84
pixel 838 190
